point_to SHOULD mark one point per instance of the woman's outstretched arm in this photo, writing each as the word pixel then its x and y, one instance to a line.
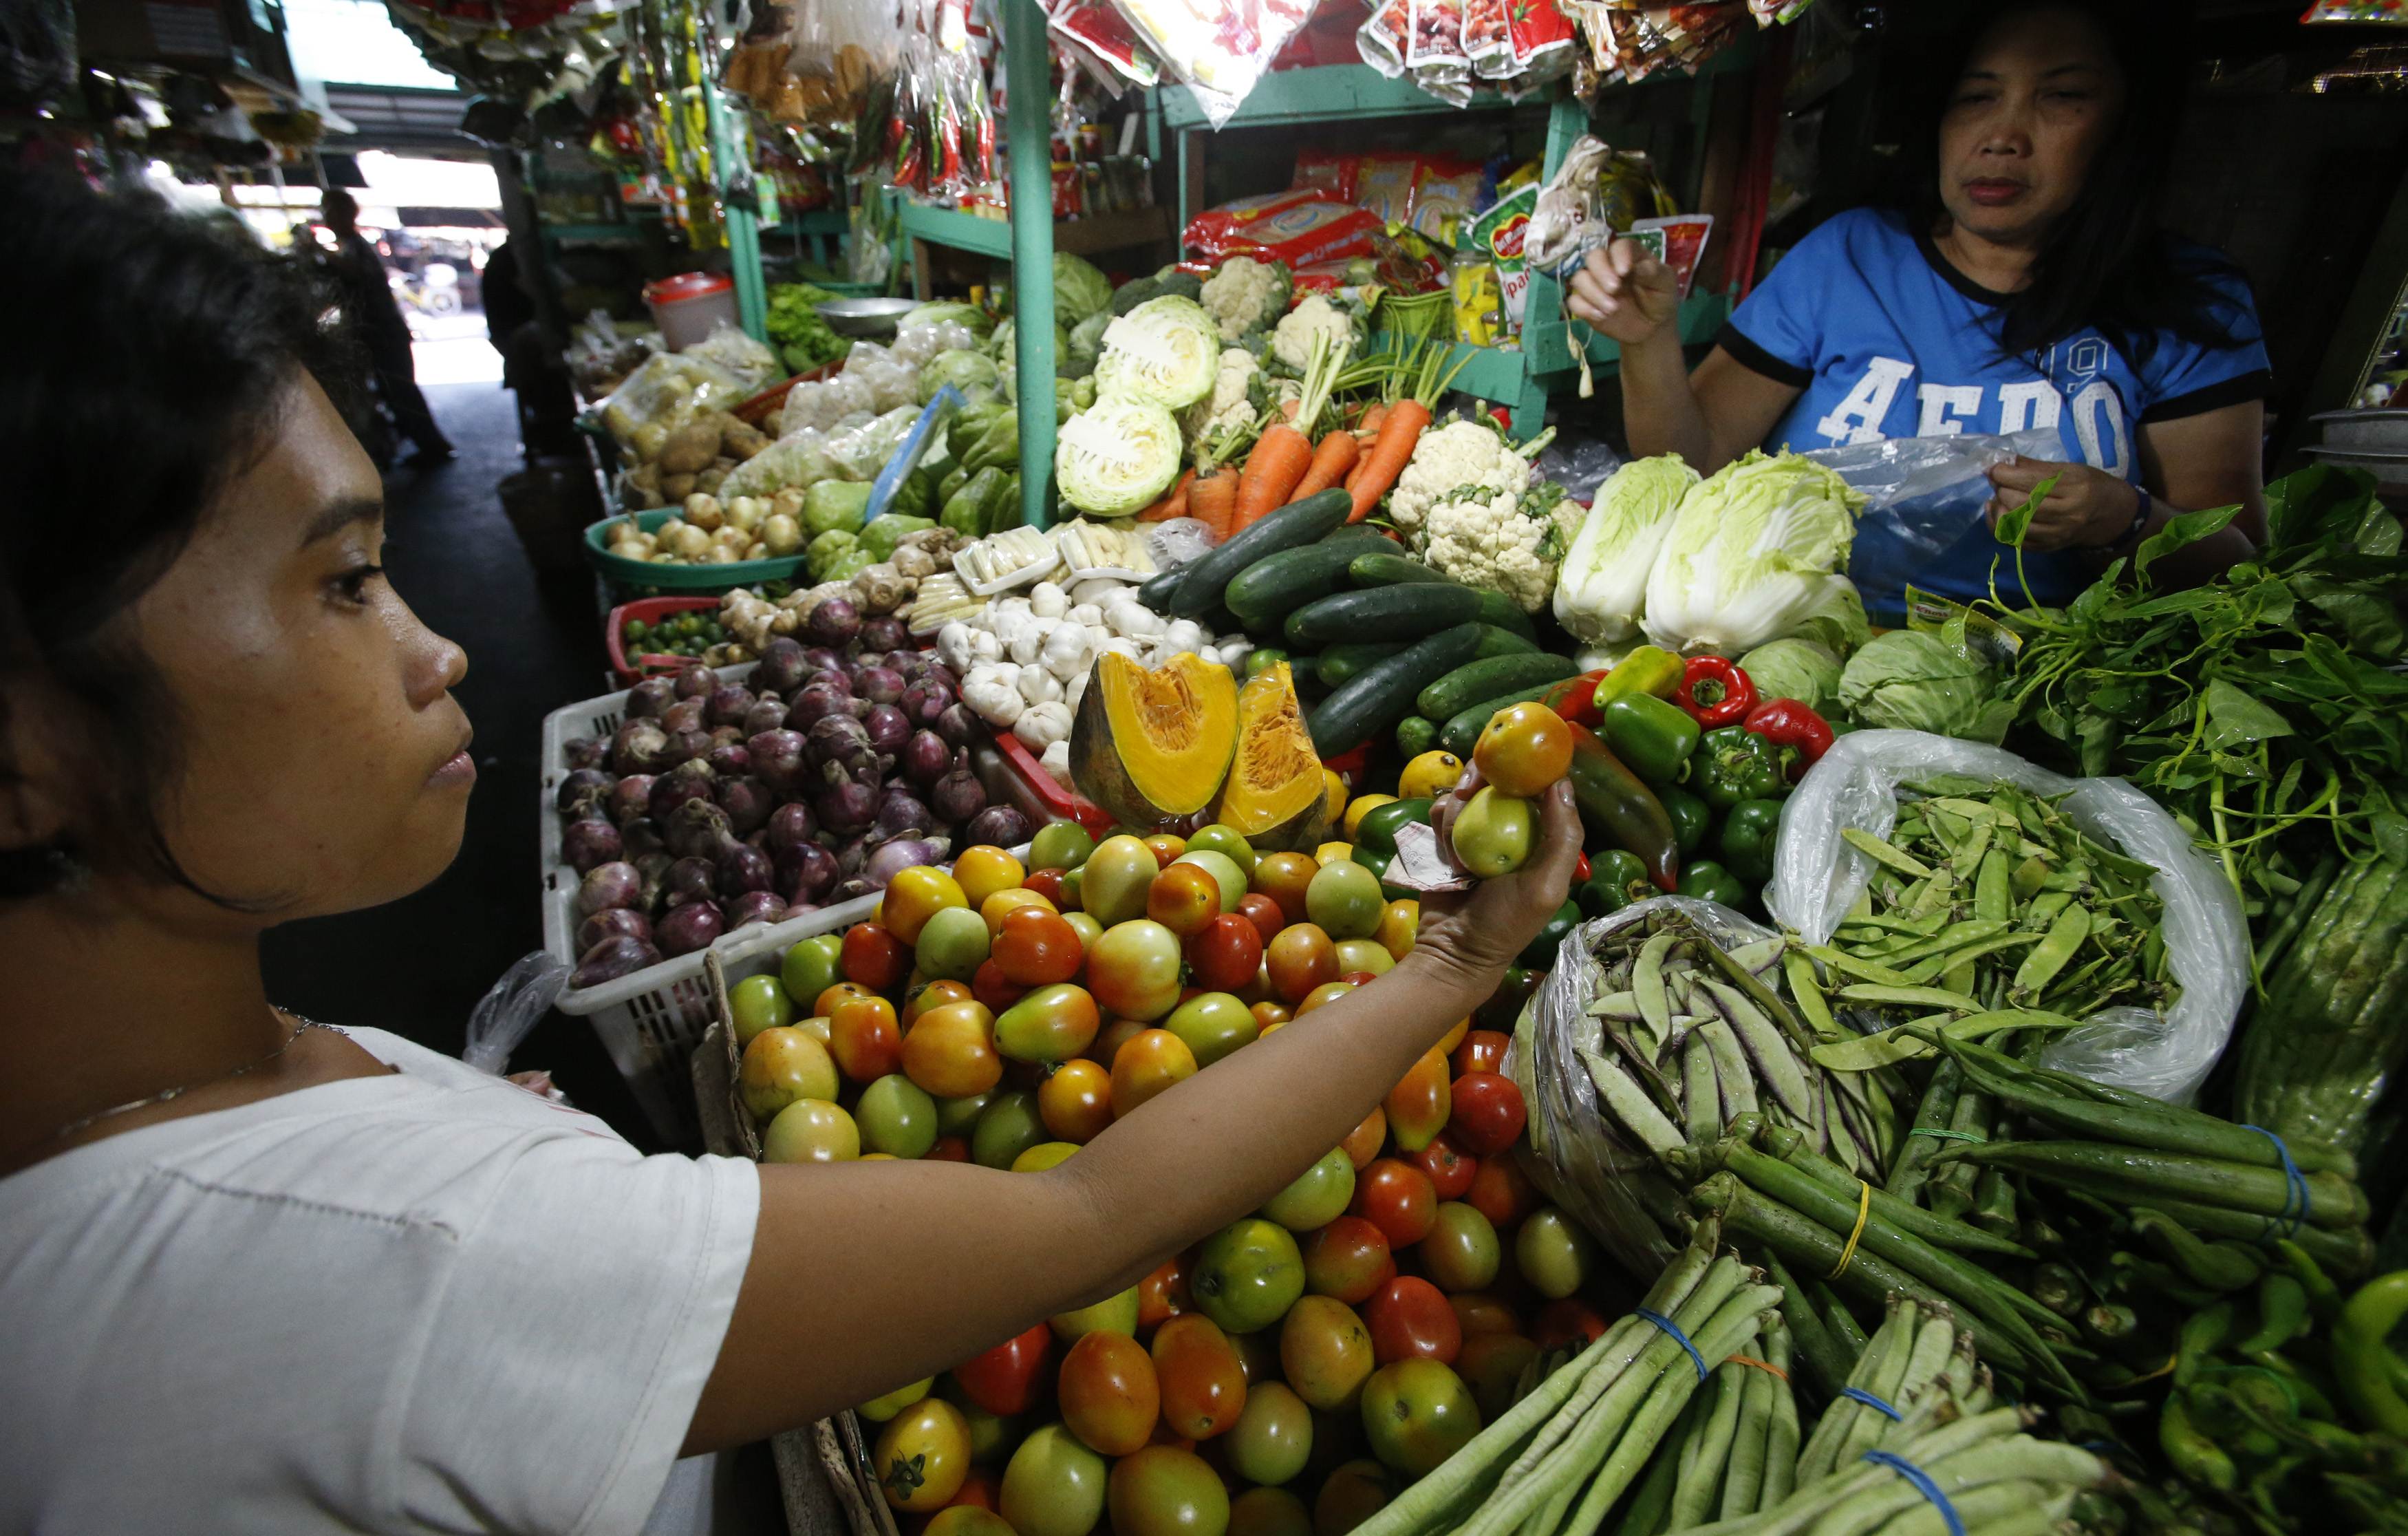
pixel 866 1276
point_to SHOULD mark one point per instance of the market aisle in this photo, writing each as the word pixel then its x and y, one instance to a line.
pixel 418 967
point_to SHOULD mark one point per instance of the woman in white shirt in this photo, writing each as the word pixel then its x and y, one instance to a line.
pixel 263 1275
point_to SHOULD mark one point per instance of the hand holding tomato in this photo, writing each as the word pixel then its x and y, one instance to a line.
pixel 1478 933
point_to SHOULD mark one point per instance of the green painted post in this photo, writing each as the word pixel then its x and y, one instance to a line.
pixel 1029 135
pixel 734 168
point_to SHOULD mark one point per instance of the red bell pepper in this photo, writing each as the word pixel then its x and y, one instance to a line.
pixel 1788 722
pixel 1714 692
pixel 1575 699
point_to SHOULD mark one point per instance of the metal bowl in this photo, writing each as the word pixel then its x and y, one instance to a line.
pixel 874 317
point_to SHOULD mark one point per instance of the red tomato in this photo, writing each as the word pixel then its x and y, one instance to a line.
pixel 948 1149
pixel 1502 1192
pixel 1163 1294
pixel 1110 1039
pixel 1110 1397
pixel 979 1490
pixel 1417 1104
pixel 1226 954
pixel 1301 957
pixel 1450 1171
pixel 864 1037
pixel 1364 1142
pixel 1203 1385
pixel 1005 1379
pixel 1269 1013
pixel 1166 1491
pixel 1348 1260
pixel 1047 883
pixel 1322 995
pixel 1491 1365
pixel 935 995
pixel 1325 1352
pixel 1522 748
pixel 1358 978
pixel 1482 1051
pixel 1410 1320
pixel 1152 1061
pixel 1075 1101
pixel 1480 1311
pixel 1166 848
pixel 1487 1113
pixel 1264 913
pixel 874 958
pixel 1184 898
pixel 1395 1198
pixel 1570 1323
pixel 836 992
pixel 993 988
pixel 1283 878
pixel 1037 948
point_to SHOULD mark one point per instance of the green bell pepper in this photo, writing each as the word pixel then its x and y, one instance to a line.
pixel 1616 880
pixel 1539 953
pixel 967 510
pixel 1504 1005
pixel 835 506
pixel 1734 764
pixel 1749 833
pixel 1376 833
pixel 1709 881
pixel 1691 820
pixel 1654 737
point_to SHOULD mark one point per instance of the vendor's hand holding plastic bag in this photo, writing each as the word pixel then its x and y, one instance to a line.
pixel 1817 876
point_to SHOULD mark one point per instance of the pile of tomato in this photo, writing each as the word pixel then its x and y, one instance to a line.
pixel 1294 1371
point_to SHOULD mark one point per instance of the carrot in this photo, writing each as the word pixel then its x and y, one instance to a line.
pixel 1337 453
pixel 1385 461
pixel 1373 416
pixel 1212 500
pixel 1283 453
pixel 1356 473
pixel 1173 502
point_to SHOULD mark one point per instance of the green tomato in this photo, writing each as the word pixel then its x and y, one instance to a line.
pixel 811 966
pixel 1554 1255
pixel 1273 1439
pixel 1247 1275
pixel 1318 1195
pixel 1461 1251
pixel 1054 1486
pixel 1214 1023
pixel 758 1003
pixel 879 1409
pixel 1225 873
pixel 1369 955
pixel 1007 1126
pixel 1344 901
pixel 952 944
pixel 1114 1313
pixel 1416 1414
pixel 1112 883
pixel 1227 841
pixel 1060 845
pixel 896 1117
pixel 960 1116
pixel 1493 834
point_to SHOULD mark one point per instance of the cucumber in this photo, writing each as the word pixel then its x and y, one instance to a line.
pixel 1474 681
pixel 1156 591
pixel 1302 522
pixel 1415 736
pixel 1383 613
pixel 1464 726
pixel 1383 694
pixel 1504 643
pixel 1269 589
pixel 1505 613
pixel 1341 664
pixel 1381 568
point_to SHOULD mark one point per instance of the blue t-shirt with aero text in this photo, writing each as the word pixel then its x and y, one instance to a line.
pixel 1886 339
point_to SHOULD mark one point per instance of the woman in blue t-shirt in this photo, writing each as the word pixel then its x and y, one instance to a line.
pixel 2026 285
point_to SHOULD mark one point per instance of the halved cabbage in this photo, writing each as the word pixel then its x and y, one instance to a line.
pixel 1116 456
pixel 1167 349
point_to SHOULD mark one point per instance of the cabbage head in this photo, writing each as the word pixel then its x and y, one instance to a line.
pixel 1805 670
pixel 1167 351
pixel 1079 289
pixel 938 311
pixel 1602 589
pixel 1754 551
pixel 1912 679
pixel 967 371
pixel 1086 346
pixel 1117 456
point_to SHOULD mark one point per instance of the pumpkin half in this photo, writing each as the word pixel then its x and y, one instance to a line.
pixel 1275 791
pixel 1152 744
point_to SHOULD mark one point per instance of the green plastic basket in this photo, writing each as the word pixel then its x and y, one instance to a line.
pixel 643 573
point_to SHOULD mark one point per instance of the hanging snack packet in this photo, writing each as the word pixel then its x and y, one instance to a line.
pixel 1679 241
pixel 1487 38
pixel 1435 52
pixel 1381 40
pixel 1542 45
pixel 1497 234
pixel 1098 36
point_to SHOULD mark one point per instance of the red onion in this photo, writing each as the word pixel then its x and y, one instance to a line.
pixel 692 880
pixel 805 871
pixel 694 680
pixel 781 668
pixel 684 715
pixel 744 868
pixel 767 714
pixel 640 746
pixel 846 804
pixel 698 829
pixel 728 702
pixel 613 958
pixel 958 796
pixel 879 684
pixel 630 798
pixel 815 704
pixel 911 661
pixel 925 701
pixel 778 757
pixel 612 923
pixel 751 908
pixel 730 760
pixel 683 782
pixel 606 885
pixel 834 622
pixel 832 677
pixel 958 726
pixel 651 698
pixel 586 843
pixel 583 752
pixel 642 837
pixel 581 792
pixel 725 736
pixel 890 859
pixel 924 757
pixel 685 746
pixel 886 634
pixel 822 658
pixel 693 927
pixel 791 825
pixel 938 672
pixel 654 870
pixel 839 744
pixel 900 813
pixel 888 730
pixel 851 857
pixel 748 803
pixel 999 827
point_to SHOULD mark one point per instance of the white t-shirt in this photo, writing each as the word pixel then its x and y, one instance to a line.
pixel 431 1300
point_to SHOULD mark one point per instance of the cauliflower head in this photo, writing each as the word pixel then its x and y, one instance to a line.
pixel 1511 542
pixel 1460 455
pixel 1292 337
pixel 1243 295
pixel 1232 405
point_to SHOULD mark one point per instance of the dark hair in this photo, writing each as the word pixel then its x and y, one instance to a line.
pixel 153 349
pixel 2107 263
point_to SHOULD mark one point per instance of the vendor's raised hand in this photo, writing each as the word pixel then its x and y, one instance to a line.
pixel 1479 932
pixel 1625 291
pixel 2086 509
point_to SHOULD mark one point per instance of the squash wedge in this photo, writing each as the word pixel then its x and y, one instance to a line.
pixel 1276 794
pixel 1150 745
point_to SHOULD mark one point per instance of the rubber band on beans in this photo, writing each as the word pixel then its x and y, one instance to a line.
pixel 1714 692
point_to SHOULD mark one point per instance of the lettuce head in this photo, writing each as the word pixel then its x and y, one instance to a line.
pixel 1910 680
pixel 1754 551
pixel 1805 670
pixel 1603 588
pixel 1079 289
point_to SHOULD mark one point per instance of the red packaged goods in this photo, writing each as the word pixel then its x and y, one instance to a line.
pixel 1383 187
pixel 1678 241
pixel 1326 171
pixel 1542 42
pixel 1434 48
pixel 1099 39
pixel 1296 228
pixel 1444 195
pixel 1488 38
pixel 1382 39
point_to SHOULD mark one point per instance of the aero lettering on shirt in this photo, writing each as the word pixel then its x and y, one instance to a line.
pixel 2101 422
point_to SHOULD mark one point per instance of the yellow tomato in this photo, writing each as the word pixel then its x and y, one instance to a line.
pixel 1453 1037
pixel 1044 1155
pixel 995 906
pixel 924 1456
pixel 1429 776
pixel 1327 992
pixel 1333 792
pixel 915 896
pixel 986 869
pixel 1398 922
pixel 1360 806
pixel 1332 853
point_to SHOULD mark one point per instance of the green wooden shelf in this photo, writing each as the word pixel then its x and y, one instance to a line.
pixel 957 230
pixel 1317 95
pixel 818 221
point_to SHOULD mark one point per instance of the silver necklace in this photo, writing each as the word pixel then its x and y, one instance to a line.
pixel 89 1120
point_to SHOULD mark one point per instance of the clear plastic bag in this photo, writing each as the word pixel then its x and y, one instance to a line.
pixel 799 459
pixel 670 388
pixel 1927 492
pixel 1176 540
pixel 510 1010
pixel 1816 877
pixel 886 381
pixel 859 453
pixel 751 363
pixel 1579 468
pixel 1579 1156
pixel 921 343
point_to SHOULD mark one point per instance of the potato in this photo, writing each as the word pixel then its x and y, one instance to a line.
pixel 743 442
pixel 721 555
pixel 676 487
pixel 711 479
pixel 746 512
pixel 690 447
